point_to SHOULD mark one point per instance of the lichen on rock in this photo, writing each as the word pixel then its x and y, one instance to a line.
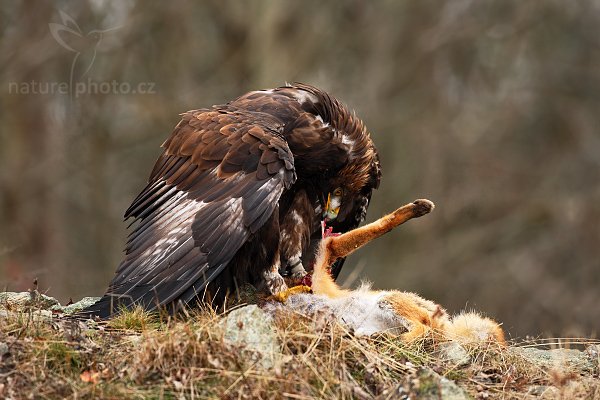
pixel 251 329
pixel 21 300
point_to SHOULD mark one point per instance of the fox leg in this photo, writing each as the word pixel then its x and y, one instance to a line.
pixel 345 244
pixel 425 317
pixel 335 247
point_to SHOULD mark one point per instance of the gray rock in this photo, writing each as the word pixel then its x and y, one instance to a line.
pixel 451 391
pixel 76 307
pixel 454 353
pixel 433 386
pixel 251 329
pixel 541 390
pixel 565 359
pixel 593 353
pixel 15 301
pixel 35 315
pixel 3 349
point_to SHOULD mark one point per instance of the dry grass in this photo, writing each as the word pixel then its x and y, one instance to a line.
pixel 140 355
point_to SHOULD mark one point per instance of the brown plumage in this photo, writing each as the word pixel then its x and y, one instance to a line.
pixel 238 195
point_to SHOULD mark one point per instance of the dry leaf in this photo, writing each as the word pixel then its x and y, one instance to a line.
pixel 90 377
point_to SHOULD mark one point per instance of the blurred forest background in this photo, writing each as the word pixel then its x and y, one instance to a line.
pixel 489 108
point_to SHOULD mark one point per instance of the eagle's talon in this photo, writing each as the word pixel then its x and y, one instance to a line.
pixel 285 294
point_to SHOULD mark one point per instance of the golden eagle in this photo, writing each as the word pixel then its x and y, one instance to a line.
pixel 238 196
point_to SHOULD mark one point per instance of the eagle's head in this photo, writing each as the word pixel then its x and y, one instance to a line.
pixel 348 165
pixel 332 148
pixel 349 192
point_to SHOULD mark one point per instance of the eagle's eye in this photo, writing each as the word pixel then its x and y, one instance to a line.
pixel 338 192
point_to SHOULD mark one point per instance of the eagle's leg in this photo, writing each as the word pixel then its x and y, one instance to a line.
pixel 296 227
pixel 275 284
pixel 273 281
pixel 296 269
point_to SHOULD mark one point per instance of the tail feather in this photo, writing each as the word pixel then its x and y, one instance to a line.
pixel 103 309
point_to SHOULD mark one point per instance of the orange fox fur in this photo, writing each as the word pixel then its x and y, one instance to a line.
pixel 369 311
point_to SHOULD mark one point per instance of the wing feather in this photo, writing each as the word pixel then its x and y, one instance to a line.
pixel 217 182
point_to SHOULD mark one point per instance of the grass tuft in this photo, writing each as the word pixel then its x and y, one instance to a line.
pixel 135 319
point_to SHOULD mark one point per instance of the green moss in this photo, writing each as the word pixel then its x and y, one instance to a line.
pixel 456 375
pixel 428 387
pixel 60 357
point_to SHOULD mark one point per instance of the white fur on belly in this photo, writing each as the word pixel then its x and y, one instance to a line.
pixel 362 311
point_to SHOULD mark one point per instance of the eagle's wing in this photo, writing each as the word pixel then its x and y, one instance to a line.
pixel 217 182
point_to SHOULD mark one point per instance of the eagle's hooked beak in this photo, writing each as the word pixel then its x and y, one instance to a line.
pixel 332 208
